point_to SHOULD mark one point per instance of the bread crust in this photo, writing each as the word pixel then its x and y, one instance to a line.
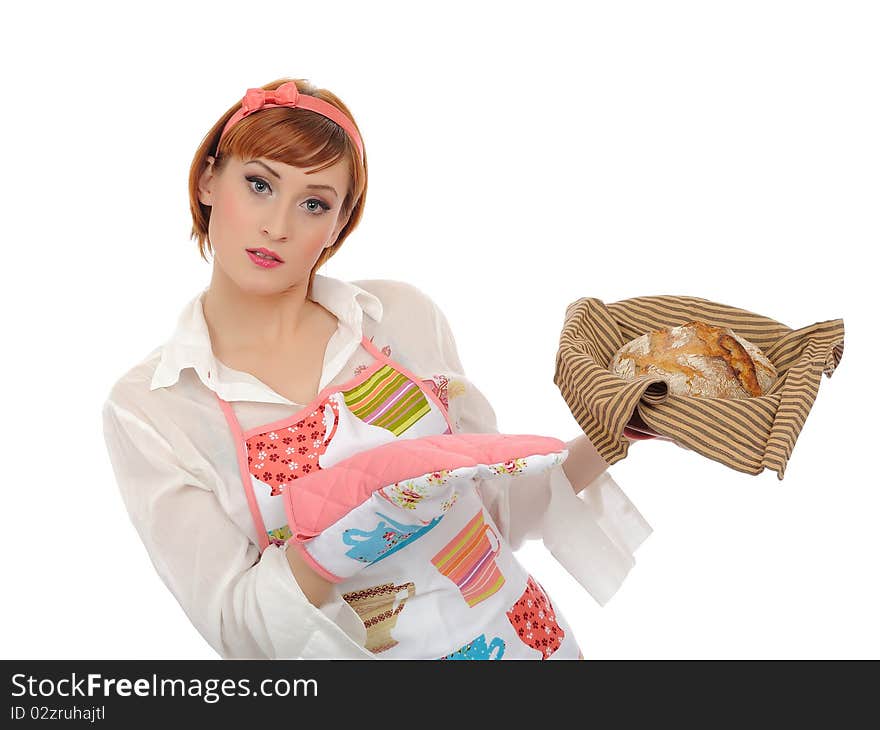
pixel 698 359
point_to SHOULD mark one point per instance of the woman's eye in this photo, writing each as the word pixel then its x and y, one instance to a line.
pixel 322 206
pixel 259 181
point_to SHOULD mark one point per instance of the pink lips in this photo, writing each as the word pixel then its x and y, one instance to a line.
pixel 268 252
pixel 265 263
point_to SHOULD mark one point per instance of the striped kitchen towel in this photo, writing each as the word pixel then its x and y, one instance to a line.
pixel 748 435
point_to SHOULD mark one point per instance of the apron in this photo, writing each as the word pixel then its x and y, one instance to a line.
pixel 459 592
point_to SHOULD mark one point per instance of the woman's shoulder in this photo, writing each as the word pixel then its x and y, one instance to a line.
pixel 411 324
pixel 131 389
pixel 399 298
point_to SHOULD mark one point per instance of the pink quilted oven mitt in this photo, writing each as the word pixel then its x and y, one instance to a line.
pixel 370 506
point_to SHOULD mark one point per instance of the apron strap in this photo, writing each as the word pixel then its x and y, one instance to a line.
pixel 241 451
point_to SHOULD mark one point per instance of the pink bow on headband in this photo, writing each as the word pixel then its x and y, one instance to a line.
pixel 288 95
pixel 285 95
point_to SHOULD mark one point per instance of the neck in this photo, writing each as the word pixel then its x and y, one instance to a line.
pixel 247 320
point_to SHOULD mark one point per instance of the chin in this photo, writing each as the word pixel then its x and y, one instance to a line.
pixel 254 283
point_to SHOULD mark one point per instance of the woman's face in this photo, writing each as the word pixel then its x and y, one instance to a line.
pixel 267 204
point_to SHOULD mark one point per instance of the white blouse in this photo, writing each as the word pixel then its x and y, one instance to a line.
pixel 175 463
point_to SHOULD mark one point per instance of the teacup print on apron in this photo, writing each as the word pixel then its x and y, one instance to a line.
pixel 378 608
pixel 437 383
pixel 386 538
pixel 440 385
pixel 388 399
pixel 534 620
pixel 468 560
pixel 478 649
pixel 381 403
pixel 277 457
pixel 349 434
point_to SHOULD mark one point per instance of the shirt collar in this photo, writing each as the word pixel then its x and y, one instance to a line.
pixel 190 344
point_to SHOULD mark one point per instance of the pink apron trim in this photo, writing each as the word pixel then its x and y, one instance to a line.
pixel 234 426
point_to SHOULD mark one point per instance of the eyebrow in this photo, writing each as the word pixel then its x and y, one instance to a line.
pixel 312 186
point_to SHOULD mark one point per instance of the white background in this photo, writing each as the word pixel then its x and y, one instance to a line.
pixel 521 156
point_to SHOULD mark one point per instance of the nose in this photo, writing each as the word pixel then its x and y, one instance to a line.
pixel 276 225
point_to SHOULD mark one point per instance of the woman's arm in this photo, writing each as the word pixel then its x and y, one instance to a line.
pixel 315 588
pixel 583 464
pixel 245 605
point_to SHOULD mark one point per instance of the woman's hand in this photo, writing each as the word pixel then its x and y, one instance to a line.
pixel 636 429
pixel 634 436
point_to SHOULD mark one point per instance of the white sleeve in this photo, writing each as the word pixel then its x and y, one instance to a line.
pixel 593 534
pixel 244 605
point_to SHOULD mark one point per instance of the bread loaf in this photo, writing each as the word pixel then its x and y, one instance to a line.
pixel 698 359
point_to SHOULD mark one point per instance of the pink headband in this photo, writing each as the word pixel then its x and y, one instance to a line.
pixel 288 95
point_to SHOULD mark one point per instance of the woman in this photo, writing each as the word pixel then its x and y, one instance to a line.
pixel 276 187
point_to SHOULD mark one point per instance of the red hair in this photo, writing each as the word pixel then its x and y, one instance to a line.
pixel 294 136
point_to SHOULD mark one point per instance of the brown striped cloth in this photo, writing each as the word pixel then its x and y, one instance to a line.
pixel 748 435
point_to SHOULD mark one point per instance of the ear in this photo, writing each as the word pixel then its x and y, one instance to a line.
pixel 205 186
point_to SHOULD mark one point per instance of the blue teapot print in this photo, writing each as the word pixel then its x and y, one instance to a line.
pixel 383 540
pixel 477 649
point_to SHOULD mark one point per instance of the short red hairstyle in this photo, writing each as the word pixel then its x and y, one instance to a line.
pixel 294 136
